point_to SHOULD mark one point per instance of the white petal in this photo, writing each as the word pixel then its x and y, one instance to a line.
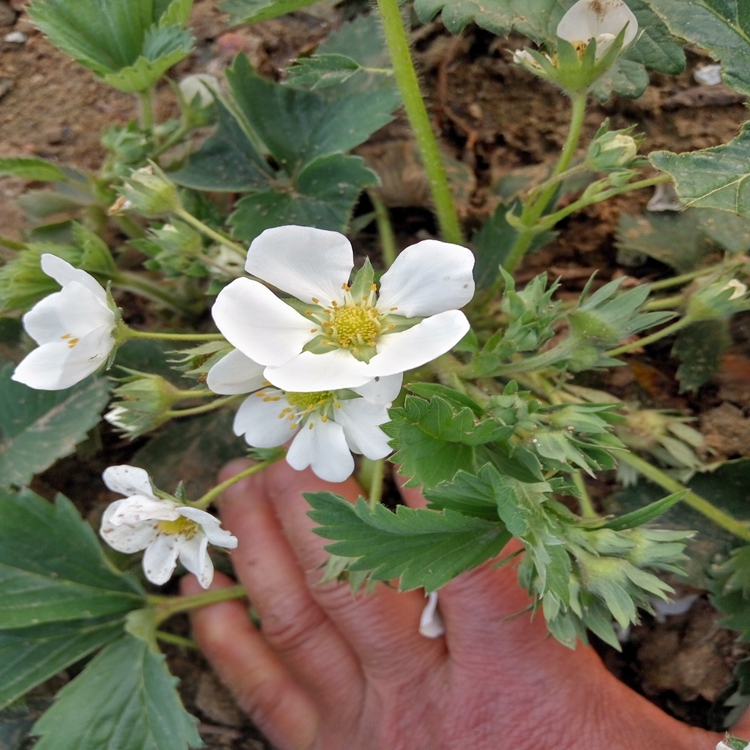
pixel 81 312
pixel 128 480
pixel 587 19
pixel 126 538
pixel 320 372
pixel 422 343
pixel 63 273
pixel 261 424
pixel 431 622
pixel 235 373
pixel 142 509
pixel 160 558
pixel 194 556
pixel 43 322
pixel 259 324
pixel 43 368
pixel 360 420
pixel 428 278
pixel 211 527
pixel 87 356
pixel 381 390
pixel 312 264
pixel 323 448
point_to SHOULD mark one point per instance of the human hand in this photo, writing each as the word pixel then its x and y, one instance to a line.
pixel 333 671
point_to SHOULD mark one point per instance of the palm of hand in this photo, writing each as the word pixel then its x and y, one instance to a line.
pixel 330 671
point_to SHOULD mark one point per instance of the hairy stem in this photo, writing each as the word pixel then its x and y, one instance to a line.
pixel 385 229
pixel 212 494
pixel 166 607
pixel 408 84
pixel 696 502
pixel 131 333
pixel 646 340
pixel 214 235
pixel 146 108
pixel 204 408
pixel 137 284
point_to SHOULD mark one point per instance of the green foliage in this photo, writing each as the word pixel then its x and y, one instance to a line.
pixel 251 11
pixel 38 427
pixel 700 347
pixel 316 184
pixel 713 177
pixel 723 28
pixel 125 698
pixel 538 19
pixel 422 548
pixel 129 43
pixel 31 169
pixel 64 579
pixel 31 655
pixel 322 71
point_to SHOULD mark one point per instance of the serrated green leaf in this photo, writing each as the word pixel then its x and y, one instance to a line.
pixel 124 41
pixel 713 177
pixel 32 169
pixel 700 347
pixel 251 11
pixel 29 656
pixel 420 547
pixel 729 231
pixel 38 427
pixel 429 390
pixel 323 196
pixel 52 567
pixel 300 126
pixel 124 699
pixel 468 494
pixel 720 26
pixel 227 161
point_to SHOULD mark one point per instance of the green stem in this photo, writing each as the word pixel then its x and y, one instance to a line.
pixel 696 502
pixel 214 235
pixel 212 494
pixel 146 109
pixel 684 278
pixel 174 605
pixel 536 207
pixel 173 139
pixel 131 333
pixel 385 229
pixel 646 340
pixel 536 362
pixel 177 640
pixel 135 283
pixel 376 471
pixel 665 303
pixel 587 507
pixel 198 393
pixel 204 408
pixel 408 84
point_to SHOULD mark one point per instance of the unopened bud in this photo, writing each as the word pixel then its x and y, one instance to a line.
pixel 149 192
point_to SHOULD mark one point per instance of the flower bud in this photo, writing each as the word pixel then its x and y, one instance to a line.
pixel 149 192
pixel 199 88
pixel 612 150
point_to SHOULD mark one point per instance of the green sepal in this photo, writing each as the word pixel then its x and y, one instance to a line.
pixel 362 284
pixel 645 515
pixel 318 345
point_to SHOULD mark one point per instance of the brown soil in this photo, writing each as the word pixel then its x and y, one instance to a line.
pixel 494 118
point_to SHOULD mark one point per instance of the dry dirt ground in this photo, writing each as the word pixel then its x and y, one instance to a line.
pixel 492 117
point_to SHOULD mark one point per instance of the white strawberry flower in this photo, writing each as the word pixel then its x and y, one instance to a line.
pixel 73 327
pixel 166 530
pixel 601 20
pixel 337 341
pixel 327 426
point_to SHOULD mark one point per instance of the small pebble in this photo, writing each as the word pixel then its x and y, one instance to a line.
pixel 16 37
pixel 708 75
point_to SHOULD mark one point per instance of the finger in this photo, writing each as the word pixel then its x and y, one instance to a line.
pixel 262 686
pixel 293 624
pixel 382 627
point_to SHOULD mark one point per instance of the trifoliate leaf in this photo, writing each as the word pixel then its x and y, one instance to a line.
pixel 52 567
pixel 124 699
pixel 723 28
pixel 421 547
pixel 250 11
pixel 31 169
pixel 713 177
pixel 38 427
pixel 300 126
pixel 29 656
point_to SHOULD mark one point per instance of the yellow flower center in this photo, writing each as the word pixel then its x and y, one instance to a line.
pixel 305 402
pixel 355 325
pixel 181 525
